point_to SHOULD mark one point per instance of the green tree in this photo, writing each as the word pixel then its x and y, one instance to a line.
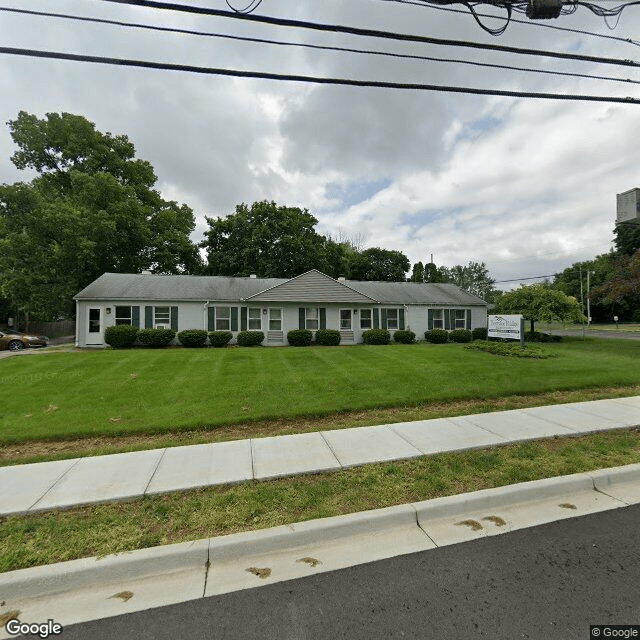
pixel 379 264
pixel 271 241
pixel 623 283
pixel 432 273
pixel 91 209
pixel 473 277
pixel 540 302
pixel 627 237
pixel 417 273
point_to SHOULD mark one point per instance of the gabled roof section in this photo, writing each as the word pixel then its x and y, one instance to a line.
pixel 312 286
pixel 136 286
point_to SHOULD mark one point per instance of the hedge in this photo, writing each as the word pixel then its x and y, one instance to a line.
pixel 299 337
pixel 404 336
pixel 156 337
pixel 219 338
pixel 479 333
pixel 192 337
pixel 460 335
pixel 328 337
pixel 120 336
pixel 536 336
pixel 436 336
pixel 376 336
pixel 250 338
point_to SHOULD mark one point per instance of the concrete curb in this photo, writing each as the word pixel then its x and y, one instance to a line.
pixel 93 588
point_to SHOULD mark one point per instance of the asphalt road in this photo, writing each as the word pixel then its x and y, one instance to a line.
pixel 624 335
pixel 548 582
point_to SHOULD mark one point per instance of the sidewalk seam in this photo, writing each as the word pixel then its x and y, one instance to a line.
pixel 146 488
pixel 333 453
pixel 62 475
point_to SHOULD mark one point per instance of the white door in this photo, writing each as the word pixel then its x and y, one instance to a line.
pixel 95 330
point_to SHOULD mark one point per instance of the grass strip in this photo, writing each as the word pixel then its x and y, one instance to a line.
pixel 27 541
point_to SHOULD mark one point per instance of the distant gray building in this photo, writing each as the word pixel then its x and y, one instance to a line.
pixel 275 306
pixel 628 206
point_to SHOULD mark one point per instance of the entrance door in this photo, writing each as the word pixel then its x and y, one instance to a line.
pixel 95 331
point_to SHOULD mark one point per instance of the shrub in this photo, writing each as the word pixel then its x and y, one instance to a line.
pixel 536 336
pixel 120 336
pixel 404 336
pixel 299 337
pixel 376 336
pixel 460 335
pixel 479 333
pixel 250 338
pixel 192 337
pixel 220 338
pixel 328 337
pixel 436 336
pixel 156 337
pixel 512 349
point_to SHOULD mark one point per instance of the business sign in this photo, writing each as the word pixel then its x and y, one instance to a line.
pixel 509 327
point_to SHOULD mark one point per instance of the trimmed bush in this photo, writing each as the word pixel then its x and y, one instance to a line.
pixel 376 336
pixel 192 337
pixel 460 335
pixel 404 336
pixel 120 336
pixel 512 349
pixel 220 338
pixel 479 333
pixel 328 337
pixel 299 337
pixel 436 336
pixel 156 337
pixel 250 338
pixel 536 336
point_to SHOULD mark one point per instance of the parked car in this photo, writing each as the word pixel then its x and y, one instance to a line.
pixel 14 340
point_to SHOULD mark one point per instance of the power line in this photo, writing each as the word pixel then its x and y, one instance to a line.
pixel 53 55
pixel 137 25
pixel 374 33
pixel 553 275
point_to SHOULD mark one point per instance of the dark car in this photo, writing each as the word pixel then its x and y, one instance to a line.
pixel 14 341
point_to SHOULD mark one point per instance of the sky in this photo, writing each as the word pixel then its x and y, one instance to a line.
pixel 527 186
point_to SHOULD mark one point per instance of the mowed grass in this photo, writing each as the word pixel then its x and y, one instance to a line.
pixel 80 394
pixel 55 536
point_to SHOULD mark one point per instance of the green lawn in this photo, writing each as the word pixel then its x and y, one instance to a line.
pixel 131 391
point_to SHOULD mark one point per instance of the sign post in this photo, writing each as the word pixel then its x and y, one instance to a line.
pixel 506 327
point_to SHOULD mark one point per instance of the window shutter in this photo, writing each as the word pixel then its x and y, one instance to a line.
pixel 323 318
pixel 401 319
pixel 383 318
pixel 135 316
pixel 234 318
pixel 211 318
pixel 430 319
pixel 174 318
pixel 243 318
pixel 447 321
pixel 301 318
pixel 148 317
pixel 376 321
pixel 468 319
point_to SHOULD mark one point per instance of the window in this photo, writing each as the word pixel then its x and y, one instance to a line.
pixel 345 319
pixel 365 319
pixel 392 319
pixel 94 320
pixel 162 315
pixel 460 319
pixel 438 319
pixel 123 315
pixel 311 318
pixel 223 318
pixel 275 319
pixel 255 319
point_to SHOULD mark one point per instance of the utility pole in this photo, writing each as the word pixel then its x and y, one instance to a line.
pixel 588 301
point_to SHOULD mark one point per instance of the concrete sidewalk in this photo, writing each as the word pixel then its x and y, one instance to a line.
pixel 37 487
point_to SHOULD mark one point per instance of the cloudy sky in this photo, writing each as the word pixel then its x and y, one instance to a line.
pixel 527 186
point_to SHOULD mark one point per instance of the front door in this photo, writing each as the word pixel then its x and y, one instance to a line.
pixel 95 330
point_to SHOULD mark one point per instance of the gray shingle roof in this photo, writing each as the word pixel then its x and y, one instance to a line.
pixel 128 286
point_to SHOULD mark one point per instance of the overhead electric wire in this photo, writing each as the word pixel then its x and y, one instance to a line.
pixel 374 33
pixel 528 23
pixel 54 55
pixel 148 27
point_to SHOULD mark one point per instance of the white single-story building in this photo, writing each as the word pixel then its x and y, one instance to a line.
pixel 274 306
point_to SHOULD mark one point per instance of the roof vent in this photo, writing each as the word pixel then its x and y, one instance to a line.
pixel 253 275
pixel 146 272
pixel 341 278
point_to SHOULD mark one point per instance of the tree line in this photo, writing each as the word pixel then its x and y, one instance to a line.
pixel 93 207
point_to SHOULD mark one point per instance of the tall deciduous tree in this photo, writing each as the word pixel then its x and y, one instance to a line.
pixel 540 302
pixel 627 237
pixel 473 277
pixel 379 264
pixel 91 209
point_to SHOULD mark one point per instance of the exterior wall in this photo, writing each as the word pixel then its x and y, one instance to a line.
pixel 194 315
